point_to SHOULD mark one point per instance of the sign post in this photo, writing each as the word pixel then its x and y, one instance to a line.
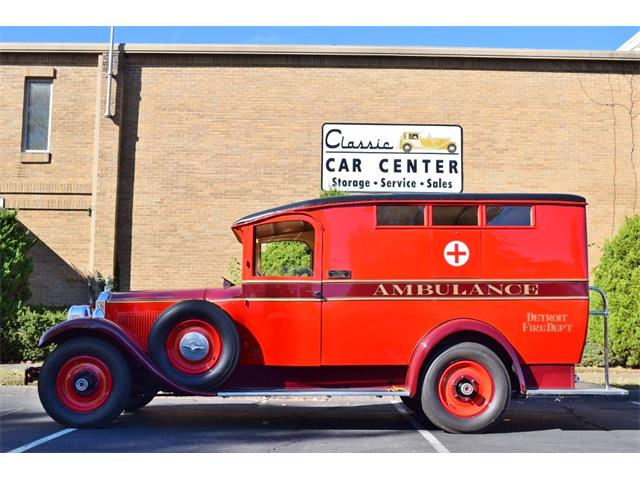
pixel 391 158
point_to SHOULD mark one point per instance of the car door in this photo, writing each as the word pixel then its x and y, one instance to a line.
pixel 282 290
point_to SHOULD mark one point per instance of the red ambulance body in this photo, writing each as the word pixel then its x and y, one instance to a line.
pixel 454 302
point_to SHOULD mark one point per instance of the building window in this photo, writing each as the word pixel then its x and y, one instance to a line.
pixel 37 116
pixel 463 216
pixel 400 215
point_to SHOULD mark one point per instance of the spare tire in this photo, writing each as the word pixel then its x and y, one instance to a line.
pixel 196 344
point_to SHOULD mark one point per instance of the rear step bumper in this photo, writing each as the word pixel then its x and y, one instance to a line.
pixel 582 388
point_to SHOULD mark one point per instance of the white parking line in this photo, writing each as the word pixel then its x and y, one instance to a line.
pixel 637 403
pixel 426 434
pixel 9 412
pixel 42 440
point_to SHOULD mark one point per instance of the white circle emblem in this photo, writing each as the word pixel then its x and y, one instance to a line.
pixel 456 253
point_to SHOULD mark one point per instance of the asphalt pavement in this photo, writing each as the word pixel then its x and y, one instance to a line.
pixel 320 424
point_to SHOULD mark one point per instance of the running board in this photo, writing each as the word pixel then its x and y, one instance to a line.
pixel 283 392
pixel 580 389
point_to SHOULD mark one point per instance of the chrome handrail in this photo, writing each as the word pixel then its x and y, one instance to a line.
pixel 605 315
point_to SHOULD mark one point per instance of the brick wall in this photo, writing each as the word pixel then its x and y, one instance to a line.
pixel 200 140
pixel 208 139
pixel 53 192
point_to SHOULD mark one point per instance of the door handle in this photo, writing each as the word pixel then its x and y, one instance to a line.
pixel 318 294
pixel 339 274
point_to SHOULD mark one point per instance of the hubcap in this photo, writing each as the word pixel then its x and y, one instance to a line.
pixel 83 384
pixel 465 388
pixel 194 346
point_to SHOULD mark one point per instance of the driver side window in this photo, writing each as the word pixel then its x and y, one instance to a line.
pixel 284 249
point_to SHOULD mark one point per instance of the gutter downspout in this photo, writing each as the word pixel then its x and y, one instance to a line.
pixel 107 105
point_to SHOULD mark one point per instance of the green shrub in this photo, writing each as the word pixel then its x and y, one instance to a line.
pixel 619 276
pixel 32 323
pixel 333 193
pixel 593 355
pixel 15 268
pixel 234 271
pixel 285 258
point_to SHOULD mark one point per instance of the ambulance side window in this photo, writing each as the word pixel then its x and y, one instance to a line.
pixel 509 215
pixel 455 215
pixel 284 249
pixel 400 215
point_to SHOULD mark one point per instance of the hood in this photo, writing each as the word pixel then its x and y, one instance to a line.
pixel 158 295
pixel 213 294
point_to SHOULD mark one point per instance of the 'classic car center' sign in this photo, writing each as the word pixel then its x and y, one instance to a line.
pixel 392 158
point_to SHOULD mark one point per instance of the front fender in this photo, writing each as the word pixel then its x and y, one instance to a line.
pixel 110 331
pixel 431 339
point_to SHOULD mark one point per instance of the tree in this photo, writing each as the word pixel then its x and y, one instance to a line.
pixel 15 268
pixel 619 276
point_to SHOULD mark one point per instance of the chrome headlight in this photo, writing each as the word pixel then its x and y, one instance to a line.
pixel 101 303
pixel 78 311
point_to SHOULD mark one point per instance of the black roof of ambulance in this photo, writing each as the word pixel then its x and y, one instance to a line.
pixel 386 197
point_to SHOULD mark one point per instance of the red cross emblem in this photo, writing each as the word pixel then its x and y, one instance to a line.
pixel 456 253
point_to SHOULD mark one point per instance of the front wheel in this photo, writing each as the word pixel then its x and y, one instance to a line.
pixel 466 389
pixel 84 382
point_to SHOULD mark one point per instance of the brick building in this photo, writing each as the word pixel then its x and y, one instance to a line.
pixel 201 135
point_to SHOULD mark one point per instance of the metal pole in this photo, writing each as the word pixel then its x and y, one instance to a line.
pixel 107 105
pixel 606 347
pixel 605 316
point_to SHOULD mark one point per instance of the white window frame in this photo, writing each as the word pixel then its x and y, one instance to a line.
pixel 25 112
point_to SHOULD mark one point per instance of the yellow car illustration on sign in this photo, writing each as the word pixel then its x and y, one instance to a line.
pixel 414 141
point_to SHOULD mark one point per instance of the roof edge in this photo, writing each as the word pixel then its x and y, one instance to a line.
pixel 419 197
pixel 323 50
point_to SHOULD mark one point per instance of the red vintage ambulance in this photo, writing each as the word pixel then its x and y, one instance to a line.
pixel 456 303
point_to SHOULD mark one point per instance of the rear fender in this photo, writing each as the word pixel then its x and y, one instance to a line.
pixel 106 329
pixel 435 336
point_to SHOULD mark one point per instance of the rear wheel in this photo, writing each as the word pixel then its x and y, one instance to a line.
pixel 466 389
pixel 84 383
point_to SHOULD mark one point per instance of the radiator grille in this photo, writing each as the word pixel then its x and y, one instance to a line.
pixel 139 324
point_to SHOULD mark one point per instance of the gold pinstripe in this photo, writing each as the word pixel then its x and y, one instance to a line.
pixel 405 298
pixel 424 280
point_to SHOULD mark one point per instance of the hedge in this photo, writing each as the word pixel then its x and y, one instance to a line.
pixel 285 258
pixel 15 268
pixel 32 323
pixel 618 274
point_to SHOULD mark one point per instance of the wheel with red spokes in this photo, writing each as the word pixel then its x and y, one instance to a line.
pixel 84 382
pixel 195 343
pixel 466 389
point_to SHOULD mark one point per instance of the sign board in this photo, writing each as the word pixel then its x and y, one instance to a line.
pixel 391 158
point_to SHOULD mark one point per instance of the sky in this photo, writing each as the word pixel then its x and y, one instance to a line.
pixel 562 38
